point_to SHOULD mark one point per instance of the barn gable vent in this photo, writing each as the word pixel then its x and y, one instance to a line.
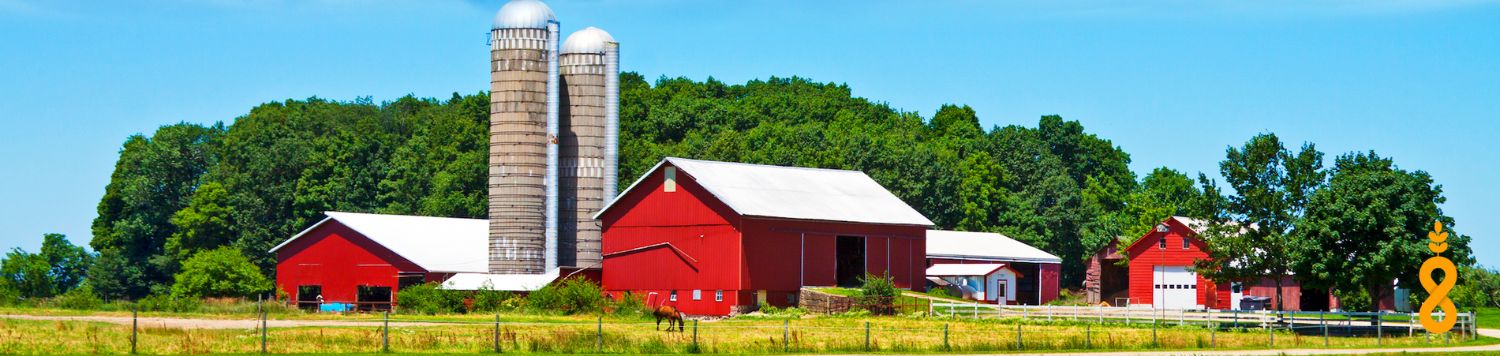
pixel 671 180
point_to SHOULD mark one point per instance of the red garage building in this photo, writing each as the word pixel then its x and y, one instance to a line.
pixel 365 259
pixel 1161 269
pixel 715 238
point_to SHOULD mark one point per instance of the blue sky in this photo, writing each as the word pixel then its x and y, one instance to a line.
pixel 1172 82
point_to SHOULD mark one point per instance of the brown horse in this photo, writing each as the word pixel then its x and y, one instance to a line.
pixel 671 315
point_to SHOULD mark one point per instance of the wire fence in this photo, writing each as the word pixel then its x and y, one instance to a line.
pixel 1376 324
pixel 953 327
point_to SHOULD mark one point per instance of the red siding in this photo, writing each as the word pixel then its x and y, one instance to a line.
pixel 688 219
pixel 739 255
pixel 1050 273
pixel 1146 254
pixel 772 253
pixel 1266 287
pixel 340 260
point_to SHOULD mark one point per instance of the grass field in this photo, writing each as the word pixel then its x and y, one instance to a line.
pixel 582 334
pixel 1489 318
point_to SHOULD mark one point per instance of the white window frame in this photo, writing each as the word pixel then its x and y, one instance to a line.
pixel 672 296
pixel 719 295
pixel 1186 243
pixel 697 294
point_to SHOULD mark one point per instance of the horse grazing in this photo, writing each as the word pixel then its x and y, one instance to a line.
pixel 671 315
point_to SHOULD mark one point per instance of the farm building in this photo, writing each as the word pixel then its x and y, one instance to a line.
pixel 989 282
pixel 365 259
pixel 1160 275
pixel 1035 272
pixel 715 238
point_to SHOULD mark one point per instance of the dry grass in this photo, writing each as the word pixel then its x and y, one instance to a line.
pixel 580 334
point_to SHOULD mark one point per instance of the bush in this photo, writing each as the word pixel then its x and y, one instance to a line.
pixel 489 301
pixel 631 305
pixel 221 272
pixel 82 298
pixel 428 299
pixel 878 294
pixel 570 296
pixel 159 302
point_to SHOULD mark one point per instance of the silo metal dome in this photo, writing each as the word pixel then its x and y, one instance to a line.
pixel 524 14
pixel 587 40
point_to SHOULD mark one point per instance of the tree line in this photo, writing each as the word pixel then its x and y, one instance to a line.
pixel 237 190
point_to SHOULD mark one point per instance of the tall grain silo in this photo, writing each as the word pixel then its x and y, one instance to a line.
pixel 590 116
pixel 524 97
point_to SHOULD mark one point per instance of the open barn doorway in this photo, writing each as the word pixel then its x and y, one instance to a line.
pixel 850 265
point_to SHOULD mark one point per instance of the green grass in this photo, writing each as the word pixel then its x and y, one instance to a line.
pixel 1489 318
pixel 579 334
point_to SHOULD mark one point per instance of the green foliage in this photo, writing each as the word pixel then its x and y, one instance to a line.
pixel 1252 237
pixel 1165 193
pixel 631 305
pixel 575 295
pixel 1478 287
pixel 428 299
pixel 81 298
pixel 486 300
pixel 58 268
pixel 206 223
pixel 220 272
pixel 877 286
pixel 153 179
pixel 1378 213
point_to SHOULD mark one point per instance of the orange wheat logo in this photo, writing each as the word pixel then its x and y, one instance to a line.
pixel 1438 292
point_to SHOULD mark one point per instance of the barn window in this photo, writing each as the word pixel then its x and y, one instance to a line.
pixel 719 295
pixel 670 185
pixel 673 296
pixel 1162 243
pixel 697 294
pixel 1186 242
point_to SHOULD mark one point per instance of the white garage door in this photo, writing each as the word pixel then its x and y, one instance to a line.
pixel 1174 287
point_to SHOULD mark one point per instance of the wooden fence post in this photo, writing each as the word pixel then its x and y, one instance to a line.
pixel 946 347
pixel 134 322
pixel 867 336
pixel 385 333
pixel 1019 344
pixel 497 332
pixel 786 332
pixel 599 335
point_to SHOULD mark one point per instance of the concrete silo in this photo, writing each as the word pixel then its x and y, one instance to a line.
pixel 590 83
pixel 524 97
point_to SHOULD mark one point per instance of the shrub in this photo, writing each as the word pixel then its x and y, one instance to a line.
pixel 82 298
pixel 570 296
pixel 878 294
pixel 631 305
pixel 428 299
pixel 220 272
pixel 488 300
pixel 160 302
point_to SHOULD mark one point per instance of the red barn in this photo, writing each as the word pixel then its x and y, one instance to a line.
pixel 365 259
pixel 715 238
pixel 1161 269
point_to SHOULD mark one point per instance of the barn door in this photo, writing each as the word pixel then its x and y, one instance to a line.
pixel 850 265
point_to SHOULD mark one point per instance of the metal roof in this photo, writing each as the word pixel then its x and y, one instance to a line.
pixel 964 269
pixel 983 246
pixel 588 40
pixel 433 243
pixel 506 282
pixel 524 14
pixel 793 192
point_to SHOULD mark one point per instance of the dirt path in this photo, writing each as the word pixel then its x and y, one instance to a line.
pixel 189 323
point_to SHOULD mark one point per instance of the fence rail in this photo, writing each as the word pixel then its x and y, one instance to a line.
pixel 1340 323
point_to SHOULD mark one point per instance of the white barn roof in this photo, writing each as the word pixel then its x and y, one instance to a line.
pixel 436 244
pixel 964 269
pixel 795 192
pixel 506 282
pixel 983 246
